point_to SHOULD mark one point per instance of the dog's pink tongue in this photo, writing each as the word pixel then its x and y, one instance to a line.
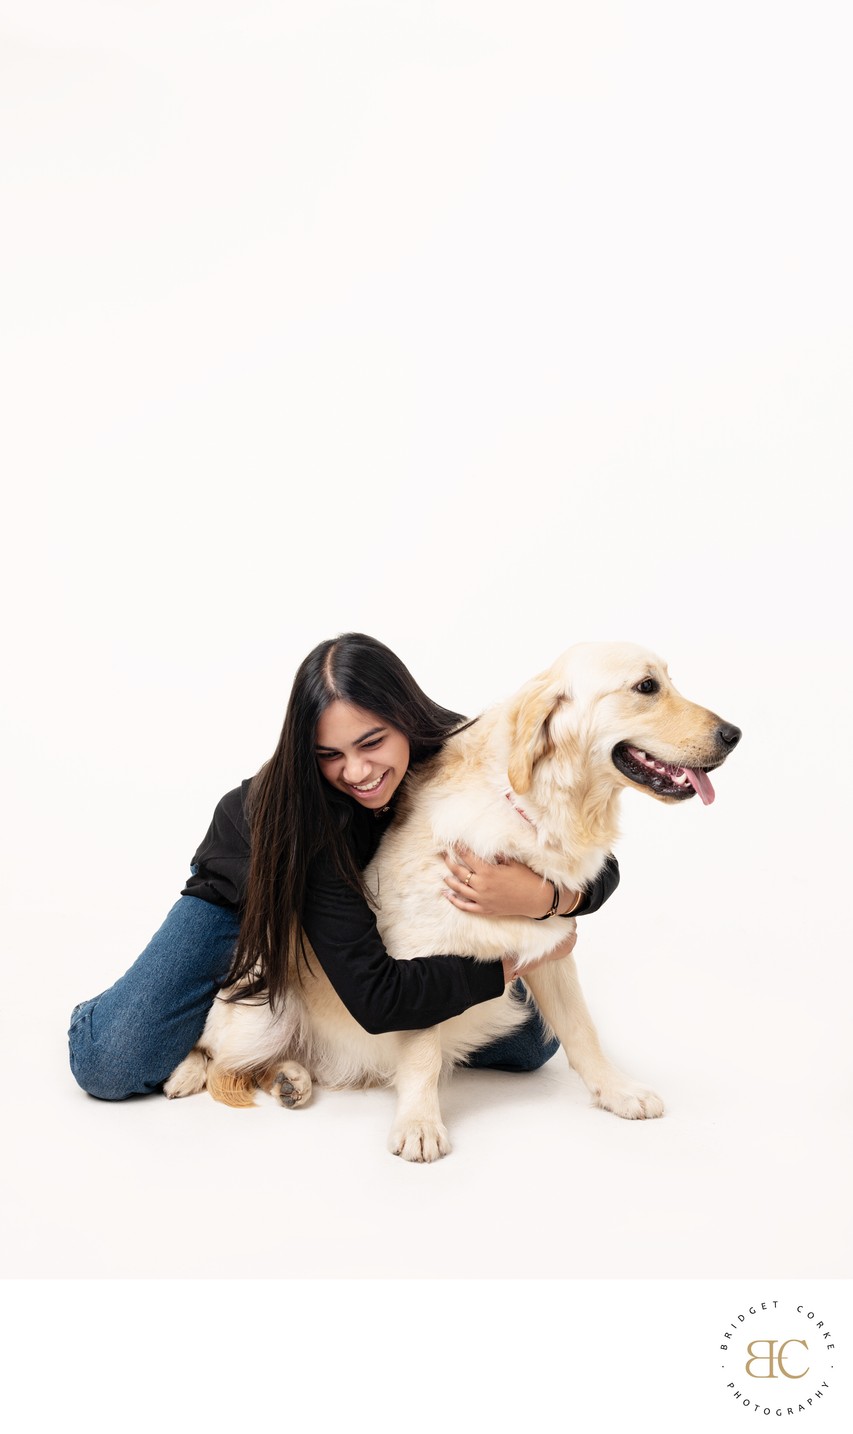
pixel 701 783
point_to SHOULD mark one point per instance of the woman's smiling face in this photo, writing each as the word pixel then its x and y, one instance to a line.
pixel 360 754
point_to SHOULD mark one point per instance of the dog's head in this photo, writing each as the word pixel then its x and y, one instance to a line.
pixel 608 711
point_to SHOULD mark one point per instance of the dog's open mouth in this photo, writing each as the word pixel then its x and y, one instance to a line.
pixel 663 778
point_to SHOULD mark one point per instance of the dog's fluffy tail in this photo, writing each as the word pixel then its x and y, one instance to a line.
pixel 231 1087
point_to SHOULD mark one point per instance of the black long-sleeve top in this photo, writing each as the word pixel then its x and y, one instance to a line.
pixel 380 993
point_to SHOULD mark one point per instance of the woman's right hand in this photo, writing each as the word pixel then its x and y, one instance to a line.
pixel 565 948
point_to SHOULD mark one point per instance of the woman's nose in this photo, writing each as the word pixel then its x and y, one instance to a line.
pixel 356 769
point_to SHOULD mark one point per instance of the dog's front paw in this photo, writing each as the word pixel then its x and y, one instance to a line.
pixel 291 1085
pixel 630 1100
pixel 421 1141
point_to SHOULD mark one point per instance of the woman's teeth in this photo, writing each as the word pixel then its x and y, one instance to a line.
pixel 371 787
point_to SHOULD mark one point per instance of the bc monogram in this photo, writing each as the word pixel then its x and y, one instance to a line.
pixel 772 1358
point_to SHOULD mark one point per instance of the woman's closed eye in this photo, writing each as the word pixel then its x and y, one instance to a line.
pixel 364 747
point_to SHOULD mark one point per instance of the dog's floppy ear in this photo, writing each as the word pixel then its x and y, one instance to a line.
pixel 529 735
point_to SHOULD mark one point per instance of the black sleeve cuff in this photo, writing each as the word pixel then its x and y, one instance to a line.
pixel 600 889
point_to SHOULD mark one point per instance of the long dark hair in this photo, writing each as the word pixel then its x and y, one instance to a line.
pixel 295 814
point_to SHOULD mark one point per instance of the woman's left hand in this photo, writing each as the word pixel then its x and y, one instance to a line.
pixel 501 888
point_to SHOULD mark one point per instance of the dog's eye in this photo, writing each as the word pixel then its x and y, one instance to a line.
pixel 647 686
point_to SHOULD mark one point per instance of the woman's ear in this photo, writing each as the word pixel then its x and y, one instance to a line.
pixel 530 738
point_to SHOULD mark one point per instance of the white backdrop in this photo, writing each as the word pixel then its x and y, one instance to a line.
pixel 483 328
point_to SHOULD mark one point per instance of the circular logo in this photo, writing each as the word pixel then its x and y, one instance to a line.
pixel 777 1357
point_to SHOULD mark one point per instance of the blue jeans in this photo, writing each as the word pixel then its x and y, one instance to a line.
pixel 128 1040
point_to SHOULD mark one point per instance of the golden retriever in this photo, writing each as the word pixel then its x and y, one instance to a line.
pixel 537 778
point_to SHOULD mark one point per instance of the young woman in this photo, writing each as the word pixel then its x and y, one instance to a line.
pixel 283 856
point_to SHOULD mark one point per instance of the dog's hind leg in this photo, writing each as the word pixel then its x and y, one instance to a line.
pixel 418 1133
pixel 556 990
pixel 287 1082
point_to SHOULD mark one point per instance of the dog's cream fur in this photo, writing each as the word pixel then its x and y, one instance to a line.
pixel 550 748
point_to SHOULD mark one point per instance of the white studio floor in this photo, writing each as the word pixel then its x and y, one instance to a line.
pixel 741 1177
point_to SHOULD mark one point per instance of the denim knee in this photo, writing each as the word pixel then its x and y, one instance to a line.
pixel 95 1067
pixel 520 1054
pixel 83 1058
pixel 524 1049
pixel 128 1040
pixel 534 1054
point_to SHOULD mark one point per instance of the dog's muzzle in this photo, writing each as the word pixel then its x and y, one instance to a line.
pixel 667 779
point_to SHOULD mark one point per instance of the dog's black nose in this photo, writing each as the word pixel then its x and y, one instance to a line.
pixel 729 736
